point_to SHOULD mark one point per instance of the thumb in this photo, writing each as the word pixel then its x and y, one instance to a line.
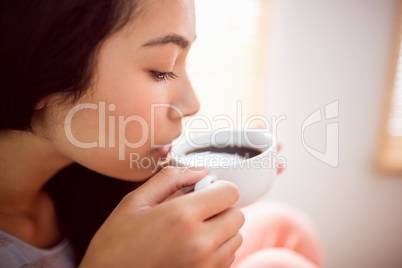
pixel 164 184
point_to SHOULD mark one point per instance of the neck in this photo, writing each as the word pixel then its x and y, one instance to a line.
pixel 27 163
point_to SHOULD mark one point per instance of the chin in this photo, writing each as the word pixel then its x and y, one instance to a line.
pixel 135 168
pixel 132 175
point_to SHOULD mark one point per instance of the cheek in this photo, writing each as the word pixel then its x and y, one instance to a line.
pixel 139 120
pixel 98 141
pixel 128 114
pixel 145 107
pixel 151 123
pixel 85 124
pixel 168 122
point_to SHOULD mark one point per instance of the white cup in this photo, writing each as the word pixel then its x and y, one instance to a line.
pixel 253 176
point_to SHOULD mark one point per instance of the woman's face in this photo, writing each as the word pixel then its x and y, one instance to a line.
pixel 139 95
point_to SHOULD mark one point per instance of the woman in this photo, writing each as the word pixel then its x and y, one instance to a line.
pixel 79 80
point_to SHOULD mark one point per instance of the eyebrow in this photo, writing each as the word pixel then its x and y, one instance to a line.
pixel 168 39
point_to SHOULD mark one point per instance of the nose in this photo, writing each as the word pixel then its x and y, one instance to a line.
pixel 185 99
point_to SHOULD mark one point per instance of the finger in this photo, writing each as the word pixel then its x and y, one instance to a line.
pixel 224 225
pixel 258 124
pixel 279 147
pixel 280 166
pixel 212 200
pixel 229 262
pixel 176 194
pixel 226 253
pixel 165 183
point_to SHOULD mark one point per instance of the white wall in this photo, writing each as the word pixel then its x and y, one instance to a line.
pixel 323 51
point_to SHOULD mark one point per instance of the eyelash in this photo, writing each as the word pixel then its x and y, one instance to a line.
pixel 159 76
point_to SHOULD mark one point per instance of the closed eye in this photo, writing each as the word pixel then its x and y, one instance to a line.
pixel 160 76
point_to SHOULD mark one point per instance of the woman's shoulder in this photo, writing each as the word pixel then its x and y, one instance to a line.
pixel 17 253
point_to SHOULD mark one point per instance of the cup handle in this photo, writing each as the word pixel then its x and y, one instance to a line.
pixel 204 182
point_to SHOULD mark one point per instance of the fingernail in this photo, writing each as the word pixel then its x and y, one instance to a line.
pixel 196 168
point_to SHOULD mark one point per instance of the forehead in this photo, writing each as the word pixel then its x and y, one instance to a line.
pixel 160 17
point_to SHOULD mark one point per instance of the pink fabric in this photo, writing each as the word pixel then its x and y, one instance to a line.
pixel 277 236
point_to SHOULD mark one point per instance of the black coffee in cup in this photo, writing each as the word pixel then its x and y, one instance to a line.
pixel 240 153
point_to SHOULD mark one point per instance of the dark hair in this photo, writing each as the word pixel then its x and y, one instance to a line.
pixel 49 46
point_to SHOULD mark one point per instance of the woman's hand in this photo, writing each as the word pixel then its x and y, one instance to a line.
pixel 280 167
pixel 199 229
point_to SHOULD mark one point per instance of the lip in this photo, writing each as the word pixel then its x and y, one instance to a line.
pixel 164 150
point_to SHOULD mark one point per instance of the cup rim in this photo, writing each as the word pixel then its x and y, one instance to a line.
pixel 178 152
